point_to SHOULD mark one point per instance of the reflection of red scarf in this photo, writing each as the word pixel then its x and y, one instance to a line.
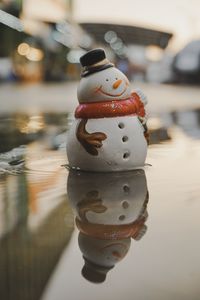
pixel 113 108
pixel 111 232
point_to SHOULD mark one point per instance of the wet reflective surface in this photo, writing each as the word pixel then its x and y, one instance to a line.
pixel 79 235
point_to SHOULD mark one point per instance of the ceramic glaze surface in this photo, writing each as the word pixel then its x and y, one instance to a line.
pixel 109 133
pixel 125 147
pixel 108 84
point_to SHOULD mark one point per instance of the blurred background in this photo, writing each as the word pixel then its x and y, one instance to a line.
pixel 157 45
pixel 42 41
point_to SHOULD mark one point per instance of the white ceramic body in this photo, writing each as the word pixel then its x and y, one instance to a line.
pixel 115 154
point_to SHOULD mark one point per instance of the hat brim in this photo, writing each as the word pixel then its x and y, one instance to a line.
pixel 92 70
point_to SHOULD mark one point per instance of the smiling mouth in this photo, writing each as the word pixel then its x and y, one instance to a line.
pixel 99 90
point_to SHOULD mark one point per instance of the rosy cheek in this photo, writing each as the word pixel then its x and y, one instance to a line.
pixel 97 89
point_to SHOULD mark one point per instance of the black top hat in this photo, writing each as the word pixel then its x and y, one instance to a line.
pixel 94 61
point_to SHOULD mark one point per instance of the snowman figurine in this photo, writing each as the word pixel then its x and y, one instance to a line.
pixel 109 132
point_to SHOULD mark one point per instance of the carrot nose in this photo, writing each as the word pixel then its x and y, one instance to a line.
pixel 117 83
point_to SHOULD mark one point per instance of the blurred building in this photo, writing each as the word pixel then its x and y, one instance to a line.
pixel 186 64
pixel 41 41
pixel 37 38
pixel 136 49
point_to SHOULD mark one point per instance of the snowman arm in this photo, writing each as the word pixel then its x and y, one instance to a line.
pixel 142 96
pixel 140 108
pixel 142 116
pixel 146 131
pixel 89 141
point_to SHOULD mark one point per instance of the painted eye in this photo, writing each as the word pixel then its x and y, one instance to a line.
pixel 107 80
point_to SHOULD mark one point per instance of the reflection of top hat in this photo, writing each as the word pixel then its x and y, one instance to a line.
pixel 94 61
pixel 94 273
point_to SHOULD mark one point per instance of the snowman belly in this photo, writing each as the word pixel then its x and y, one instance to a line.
pixel 125 147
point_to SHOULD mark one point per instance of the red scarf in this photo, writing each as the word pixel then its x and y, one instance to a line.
pixel 113 108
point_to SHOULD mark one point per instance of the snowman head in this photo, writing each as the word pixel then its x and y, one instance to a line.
pixel 101 81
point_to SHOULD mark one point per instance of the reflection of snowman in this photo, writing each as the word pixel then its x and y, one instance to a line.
pixel 110 209
pixel 109 132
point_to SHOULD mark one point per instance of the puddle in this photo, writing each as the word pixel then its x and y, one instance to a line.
pixel 131 231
